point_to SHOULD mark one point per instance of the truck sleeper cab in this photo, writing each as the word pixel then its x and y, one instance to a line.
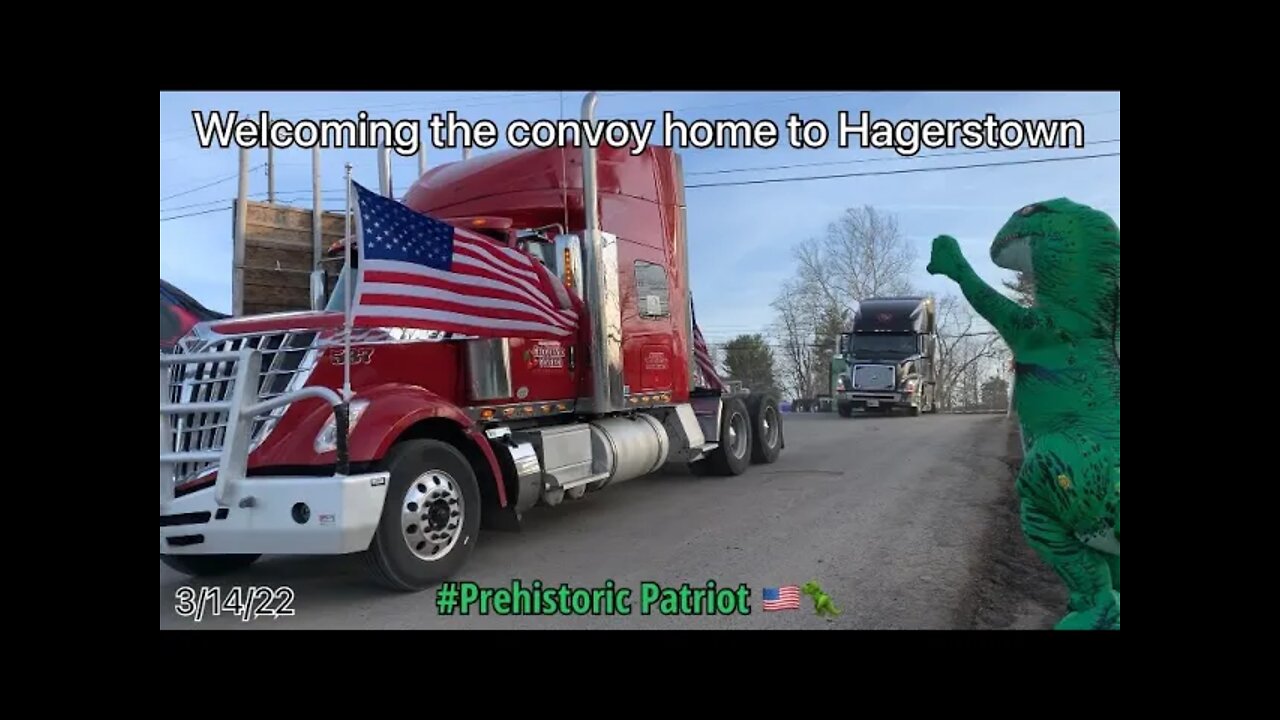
pixel 890 358
pixel 444 433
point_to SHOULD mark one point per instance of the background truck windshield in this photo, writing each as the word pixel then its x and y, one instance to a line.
pixel 882 344
pixel 338 300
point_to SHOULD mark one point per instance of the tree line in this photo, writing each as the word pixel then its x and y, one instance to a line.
pixel 864 254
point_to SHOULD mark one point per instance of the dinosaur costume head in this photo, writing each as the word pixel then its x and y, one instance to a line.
pixel 810 588
pixel 1071 252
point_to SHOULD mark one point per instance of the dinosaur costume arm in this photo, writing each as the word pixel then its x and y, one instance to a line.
pixel 1008 317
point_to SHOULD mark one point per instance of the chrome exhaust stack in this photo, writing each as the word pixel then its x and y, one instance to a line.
pixel 682 248
pixel 601 284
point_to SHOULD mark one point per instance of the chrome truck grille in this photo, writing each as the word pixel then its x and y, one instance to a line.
pixel 287 361
pixel 873 377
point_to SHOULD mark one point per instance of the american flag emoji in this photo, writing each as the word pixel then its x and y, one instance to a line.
pixel 786 597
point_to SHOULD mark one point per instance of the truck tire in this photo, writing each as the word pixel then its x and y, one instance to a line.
pixel 208 565
pixel 766 428
pixel 846 409
pixel 733 456
pixel 430 518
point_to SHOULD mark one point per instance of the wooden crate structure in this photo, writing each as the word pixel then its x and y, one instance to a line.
pixel 279 257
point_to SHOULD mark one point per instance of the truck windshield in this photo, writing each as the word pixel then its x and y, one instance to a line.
pixel 544 251
pixel 882 344
pixel 338 300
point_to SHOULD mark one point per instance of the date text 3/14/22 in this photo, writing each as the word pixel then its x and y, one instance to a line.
pixel 245 603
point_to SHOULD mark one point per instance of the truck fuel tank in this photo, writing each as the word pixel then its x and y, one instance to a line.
pixel 628 447
pixel 580 456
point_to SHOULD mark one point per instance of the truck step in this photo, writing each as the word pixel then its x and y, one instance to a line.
pixel 583 481
pixel 701 451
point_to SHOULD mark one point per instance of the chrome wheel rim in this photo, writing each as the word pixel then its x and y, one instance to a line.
pixel 770 421
pixel 431 515
pixel 738 434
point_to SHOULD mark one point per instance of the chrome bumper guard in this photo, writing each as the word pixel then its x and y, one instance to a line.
pixel 238 514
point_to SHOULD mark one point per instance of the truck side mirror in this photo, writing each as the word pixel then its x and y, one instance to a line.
pixel 569 262
pixel 318 299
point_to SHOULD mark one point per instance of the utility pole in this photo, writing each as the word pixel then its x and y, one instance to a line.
pixel 241 228
pixel 271 175
pixel 317 210
pixel 384 170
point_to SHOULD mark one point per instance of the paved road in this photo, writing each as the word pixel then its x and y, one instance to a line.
pixel 890 515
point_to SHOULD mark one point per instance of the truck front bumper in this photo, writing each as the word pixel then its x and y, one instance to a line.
pixel 877 400
pixel 277 515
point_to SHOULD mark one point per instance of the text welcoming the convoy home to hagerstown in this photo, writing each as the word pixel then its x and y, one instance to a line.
pixel 447 130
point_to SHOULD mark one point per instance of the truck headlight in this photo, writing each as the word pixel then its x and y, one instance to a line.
pixel 910 387
pixel 327 439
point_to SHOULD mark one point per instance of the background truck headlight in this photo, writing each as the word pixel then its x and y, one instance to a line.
pixel 327 440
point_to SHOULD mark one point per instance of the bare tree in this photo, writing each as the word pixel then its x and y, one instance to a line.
pixel 832 320
pixel 794 328
pixel 1023 287
pixel 863 255
pixel 967 346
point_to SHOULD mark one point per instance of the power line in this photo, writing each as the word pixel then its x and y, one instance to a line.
pixel 675 111
pixel 726 339
pixel 193 214
pixel 699 185
pixel 867 160
pixel 902 171
pixel 233 176
pixel 814 177
pixel 207 203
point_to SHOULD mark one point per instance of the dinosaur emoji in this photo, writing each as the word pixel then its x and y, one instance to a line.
pixel 822 604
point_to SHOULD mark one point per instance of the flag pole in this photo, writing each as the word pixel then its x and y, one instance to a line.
pixel 346 293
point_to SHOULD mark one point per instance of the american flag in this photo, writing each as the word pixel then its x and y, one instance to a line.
pixel 706 366
pixel 786 597
pixel 416 271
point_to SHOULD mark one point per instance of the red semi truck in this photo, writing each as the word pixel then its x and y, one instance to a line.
pixel 260 453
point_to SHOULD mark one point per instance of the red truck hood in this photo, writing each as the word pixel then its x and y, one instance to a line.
pixel 278 321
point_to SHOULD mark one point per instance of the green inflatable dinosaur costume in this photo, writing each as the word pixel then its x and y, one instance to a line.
pixel 822 604
pixel 1066 390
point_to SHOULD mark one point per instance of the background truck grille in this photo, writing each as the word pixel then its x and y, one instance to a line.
pixel 873 377
pixel 287 361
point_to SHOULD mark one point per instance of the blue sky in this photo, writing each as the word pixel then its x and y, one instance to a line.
pixel 740 236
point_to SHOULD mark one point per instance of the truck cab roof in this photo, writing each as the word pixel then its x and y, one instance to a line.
pixel 904 314
pixel 535 187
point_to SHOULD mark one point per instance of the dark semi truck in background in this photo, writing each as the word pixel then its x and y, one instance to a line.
pixel 891 356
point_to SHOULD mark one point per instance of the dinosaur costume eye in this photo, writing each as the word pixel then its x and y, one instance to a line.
pixel 1029 210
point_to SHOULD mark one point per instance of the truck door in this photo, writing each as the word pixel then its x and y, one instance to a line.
pixel 648 328
pixel 543 369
